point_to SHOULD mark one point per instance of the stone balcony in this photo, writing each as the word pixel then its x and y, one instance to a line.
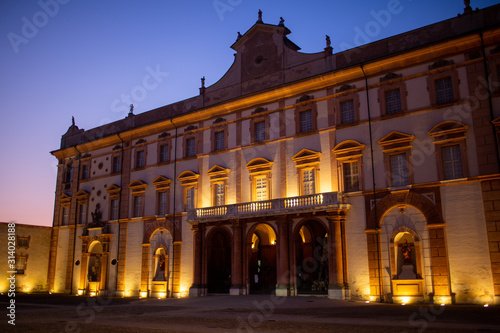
pixel 293 205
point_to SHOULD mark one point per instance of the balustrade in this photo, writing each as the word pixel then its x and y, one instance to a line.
pixel 267 207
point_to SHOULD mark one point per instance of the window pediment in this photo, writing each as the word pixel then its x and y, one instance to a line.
pixel 64 198
pixel 390 76
pixel 348 148
pixel 113 189
pixel 217 172
pixel 187 177
pixel 306 157
pixel 82 195
pixel 259 164
pixel 162 181
pixel 137 186
pixel 447 130
pixel 396 139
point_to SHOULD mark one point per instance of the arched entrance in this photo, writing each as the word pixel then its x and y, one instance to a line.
pixel 262 259
pixel 96 269
pixel 401 247
pixel 219 262
pixel 311 255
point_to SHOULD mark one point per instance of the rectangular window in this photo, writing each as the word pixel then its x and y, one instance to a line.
pixel 351 176
pixel 260 188
pixel 308 182
pixel 116 164
pixel 190 198
pixel 139 162
pixel 85 171
pixel 399 170
pixel 163 153
pixel 190 147
pixel 137 206
pixel 219 194
pixel 347 111
pixel 444 90
pixel 65 215
pixel 260 131
pixel 219 140
pixel 306 123
pixel 23 242
pixel 452 162
pixel 162 203
pixel 392 101
pixel 82 218
pixel 21 264
pixel 114 209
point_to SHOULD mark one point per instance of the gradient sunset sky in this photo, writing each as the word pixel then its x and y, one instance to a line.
pixel 64 58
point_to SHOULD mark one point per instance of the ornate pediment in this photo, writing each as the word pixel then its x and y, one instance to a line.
pixel 113 189
pixel 348 148
pixel 188 177
pixel 390 76
pixel 306 156
pixel 345 87
pixel 82 195
pixel 137 186
pixel 190 128
pixel 162 181
pixel 217 172
pixel 304 98
pixel 448 130
pixel 259 164
pixel 219 120
pixel 64 198
pixel 441 63
pixel 395 138
pixel 259 110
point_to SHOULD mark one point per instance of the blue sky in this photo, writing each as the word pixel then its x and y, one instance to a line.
pixel 90 59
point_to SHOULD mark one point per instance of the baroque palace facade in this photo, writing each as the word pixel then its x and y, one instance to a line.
pixel 368 174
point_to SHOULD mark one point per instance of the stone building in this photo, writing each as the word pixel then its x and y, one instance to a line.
pixel 29 247
pixel 368 174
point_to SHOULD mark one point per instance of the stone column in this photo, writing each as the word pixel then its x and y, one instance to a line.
pixel 237 260
pixel 199 235
pixel 439 263
pixel 336 264
pixel 283 271
pixel 176 274
pixel 145 270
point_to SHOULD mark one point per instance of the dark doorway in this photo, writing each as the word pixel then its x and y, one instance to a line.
pixel 262 265
pixel 219 263
pixel 311 244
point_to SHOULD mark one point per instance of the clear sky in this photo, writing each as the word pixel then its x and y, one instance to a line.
pixel 89 59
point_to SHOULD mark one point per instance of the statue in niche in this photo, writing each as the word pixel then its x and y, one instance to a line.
pixel 96 214
pixel 406 251
pixel 95 271
pixel 160 269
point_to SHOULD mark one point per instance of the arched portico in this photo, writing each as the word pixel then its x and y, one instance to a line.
pixel 310 241
pixel 218 262
pixel 261 259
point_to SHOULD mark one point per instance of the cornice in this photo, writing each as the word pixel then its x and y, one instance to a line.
pixel 376 67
